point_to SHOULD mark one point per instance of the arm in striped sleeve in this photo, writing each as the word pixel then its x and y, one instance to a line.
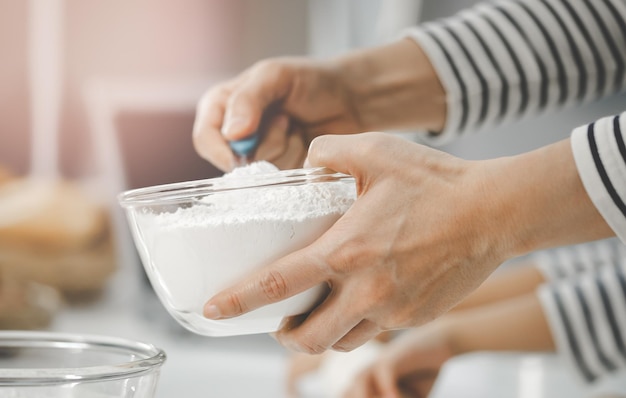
pixel 571 261
pixel 500 61
pixel 586 305
pixel 587 318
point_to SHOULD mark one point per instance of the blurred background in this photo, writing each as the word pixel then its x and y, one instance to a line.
pixel 99 96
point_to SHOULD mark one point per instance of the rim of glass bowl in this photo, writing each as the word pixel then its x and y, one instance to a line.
pixel 185 191
pixel 149 358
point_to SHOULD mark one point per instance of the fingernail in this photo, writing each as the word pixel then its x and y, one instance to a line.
pixel 212 312
pixel 307 164
pixel 233 125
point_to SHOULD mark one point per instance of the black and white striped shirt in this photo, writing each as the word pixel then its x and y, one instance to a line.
pixel 585 305
pixel 502 60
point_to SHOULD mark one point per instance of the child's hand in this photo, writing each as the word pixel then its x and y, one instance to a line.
pixel 408 365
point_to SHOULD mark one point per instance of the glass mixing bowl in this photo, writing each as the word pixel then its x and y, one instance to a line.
pixel 196 238
pixel 57 365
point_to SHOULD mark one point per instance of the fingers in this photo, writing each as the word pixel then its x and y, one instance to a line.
pixel 376 381
pixel 288 276
pixel 418 385
pixel 359 335
pixel 207 138
pixel 264 84
pixel 295 153
pixel 234 110
pixel 327 324
pixel 380 380
pixel 346 153
pixel 275 136
pixel 386 383
pixel 362 387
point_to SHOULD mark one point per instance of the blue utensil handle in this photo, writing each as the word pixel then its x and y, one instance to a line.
pixel 244 146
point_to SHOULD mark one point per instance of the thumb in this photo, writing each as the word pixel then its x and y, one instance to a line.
pixel 265 84
pixel 346 153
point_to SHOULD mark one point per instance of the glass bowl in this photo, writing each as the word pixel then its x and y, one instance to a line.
pixel 57 365
pixel 196 238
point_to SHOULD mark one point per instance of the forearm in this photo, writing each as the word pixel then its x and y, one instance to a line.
pixel 518 324
pixel 537 200
pixel 516 281
pixel 393 87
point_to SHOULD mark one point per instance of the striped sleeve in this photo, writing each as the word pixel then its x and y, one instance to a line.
pixel 587 317
pixel 571 261
pixel 600 155
pixel 503 60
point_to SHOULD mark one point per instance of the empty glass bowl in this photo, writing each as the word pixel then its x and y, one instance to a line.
pixel 57 365
pixel 196 238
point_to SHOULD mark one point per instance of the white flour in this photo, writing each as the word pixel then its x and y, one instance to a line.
pixel 199 250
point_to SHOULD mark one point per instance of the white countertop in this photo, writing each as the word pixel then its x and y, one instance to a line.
pixel 254 366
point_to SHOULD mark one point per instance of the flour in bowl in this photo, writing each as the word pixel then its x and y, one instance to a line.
pixel 195 251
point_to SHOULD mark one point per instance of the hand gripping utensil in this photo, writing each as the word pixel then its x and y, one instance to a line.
pixel 243 148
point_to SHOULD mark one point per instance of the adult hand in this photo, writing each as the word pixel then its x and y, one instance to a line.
pixel 290 101
pixel 416 241
pixel 408 366
pixel 427 229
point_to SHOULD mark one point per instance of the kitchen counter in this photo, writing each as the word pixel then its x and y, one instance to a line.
pixel 254 366
pixel 196 366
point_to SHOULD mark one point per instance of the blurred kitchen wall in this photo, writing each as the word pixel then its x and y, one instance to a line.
pixel 141 40
pixel 158 40
pixel 14 123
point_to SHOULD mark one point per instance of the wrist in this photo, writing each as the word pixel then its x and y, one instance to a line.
pixel 393 87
